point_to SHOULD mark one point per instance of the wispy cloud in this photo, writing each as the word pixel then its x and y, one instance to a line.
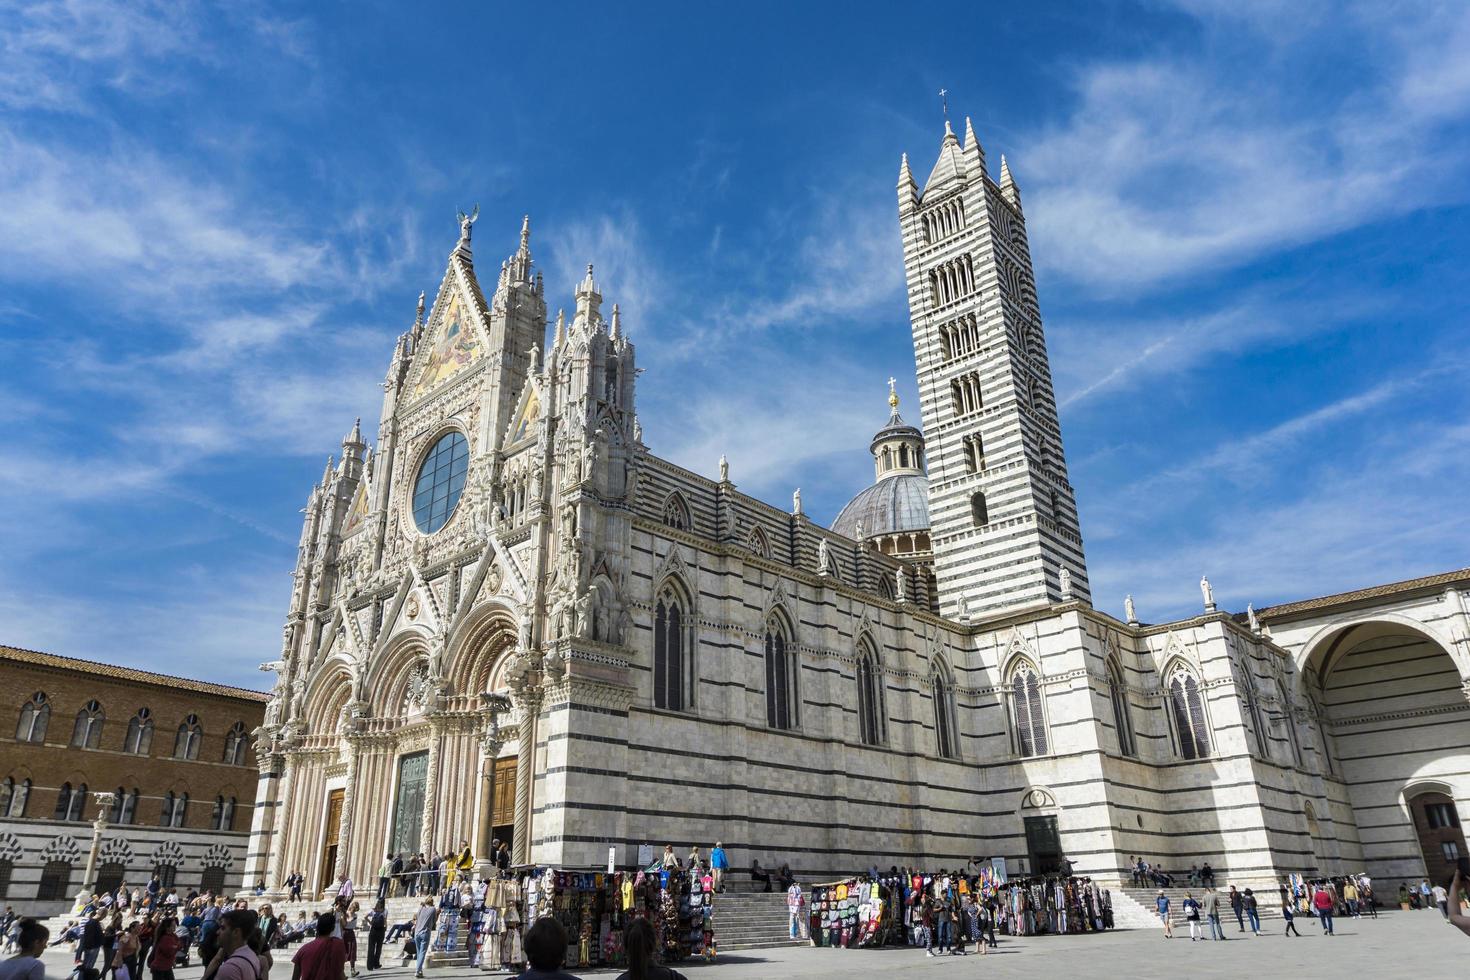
pixel 1182 161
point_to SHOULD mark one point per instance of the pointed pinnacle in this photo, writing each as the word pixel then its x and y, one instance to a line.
pixel 525 232
pixel 970 139
pixel 1005 171
pixel 617 323
pixel 420 317
pixel 948 131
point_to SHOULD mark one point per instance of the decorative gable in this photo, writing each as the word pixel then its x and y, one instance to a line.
pixel 453 340
pixel 357 516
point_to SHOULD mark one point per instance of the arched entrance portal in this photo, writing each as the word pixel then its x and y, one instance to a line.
pixel 1441 838
pixel 1393 714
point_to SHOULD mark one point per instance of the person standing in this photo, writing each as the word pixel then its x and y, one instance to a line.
pixel 1322 902
pixel 348 918
pixel 693 862
pixel 377 921
pixel 325 957
pixel 669 861
pixel 30 943
pixel 297 880
pixel 1191 915
pixel 1350 896
pixel 237 960
pixel 1237 905
pixel 1162 904
pixel 423 931
pixel 90 946
pixel 165 949
pixel 1252 912
pixel 719 864
pixel 1458 919
pixel 1212 912
pixel 546 951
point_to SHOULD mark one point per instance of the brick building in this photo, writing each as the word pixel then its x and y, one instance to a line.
pixel 175 753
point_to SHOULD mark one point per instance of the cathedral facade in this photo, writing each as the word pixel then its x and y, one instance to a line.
pixel 512 620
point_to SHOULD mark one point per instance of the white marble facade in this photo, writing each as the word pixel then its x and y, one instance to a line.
pixel 653 656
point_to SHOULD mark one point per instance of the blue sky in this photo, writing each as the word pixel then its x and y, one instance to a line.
pixel 1248 220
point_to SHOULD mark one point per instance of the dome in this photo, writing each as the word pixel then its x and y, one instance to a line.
pixel 893 505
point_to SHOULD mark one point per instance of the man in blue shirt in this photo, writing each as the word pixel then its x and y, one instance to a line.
pixel 1162 903
pixel 719 863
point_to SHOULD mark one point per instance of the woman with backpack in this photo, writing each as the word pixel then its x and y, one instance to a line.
pixel 1191 915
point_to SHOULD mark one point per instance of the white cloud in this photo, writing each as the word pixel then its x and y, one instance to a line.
pixel 1182 162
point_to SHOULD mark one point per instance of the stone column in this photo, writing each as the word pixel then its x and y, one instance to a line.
pixel 349 798
pixel 431 787
pixel 291 761
pixel 492 739
pixel 528 706
pixel 89 877
pixel 263 820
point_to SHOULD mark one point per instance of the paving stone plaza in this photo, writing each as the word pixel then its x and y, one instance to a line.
pixel 1415 944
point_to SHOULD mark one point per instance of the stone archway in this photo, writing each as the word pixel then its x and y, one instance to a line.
pixel 1393 714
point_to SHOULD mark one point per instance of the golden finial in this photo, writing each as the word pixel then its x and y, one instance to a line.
pixel 892 394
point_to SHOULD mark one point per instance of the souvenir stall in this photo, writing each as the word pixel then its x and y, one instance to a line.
pixel 850 913
pixel 594 908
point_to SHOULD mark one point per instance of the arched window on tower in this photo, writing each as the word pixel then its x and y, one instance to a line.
pixel 175 810
pixel 979 513
pixel 34 715
pixel 780 679
pixel 188 737
pixel 124 806
pixel 945 742
pixel 1122 717
pixel 903 456
pixel 223 816
pixel 235 744
pixel 139 739
pixel 670 656
pixel 86 733
pixel 872 715
pixel 1027 717
pixel 1187 714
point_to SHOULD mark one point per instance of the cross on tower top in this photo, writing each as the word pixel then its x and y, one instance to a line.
pixel 944 102
pixel 892 394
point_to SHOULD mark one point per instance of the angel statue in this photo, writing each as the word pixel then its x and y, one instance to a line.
pixel 465 221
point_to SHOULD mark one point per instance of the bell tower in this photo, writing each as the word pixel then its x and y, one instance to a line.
pixel 1002 514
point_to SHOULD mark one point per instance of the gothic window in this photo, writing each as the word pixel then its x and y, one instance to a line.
pixel 758 543
pixel 1187 712
pixel 1324 740
pixel 670 654
pixel 34 715
pixel 872 716
pixel 780 686
pixel 223 817
pixel 885 587
pixel 14 796
pixel 186 741
pixel 945 743
pixel 235 743
pixel 979 513
pixel 437 488
pixel 70 803
pixel 124 806
pixel 175 809
pixel 140 733
pixel 676 512
pixel 86 733
pixel 887 459
pixel 1026 712
pixel 1122 717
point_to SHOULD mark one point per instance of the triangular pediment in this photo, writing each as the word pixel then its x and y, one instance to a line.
pixel 528 414
pixel 455 338
pixel 357 515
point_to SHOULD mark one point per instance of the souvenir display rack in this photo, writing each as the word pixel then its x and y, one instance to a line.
pixel 594 908
pixel 850 913
pixel 867 911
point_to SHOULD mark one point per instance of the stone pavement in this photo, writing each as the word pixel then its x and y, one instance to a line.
pixel 1397 943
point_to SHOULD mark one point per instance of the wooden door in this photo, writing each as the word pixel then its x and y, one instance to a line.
pixel 503 801
pixel 330 839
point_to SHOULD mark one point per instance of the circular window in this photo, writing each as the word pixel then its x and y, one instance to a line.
pixel 440 482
